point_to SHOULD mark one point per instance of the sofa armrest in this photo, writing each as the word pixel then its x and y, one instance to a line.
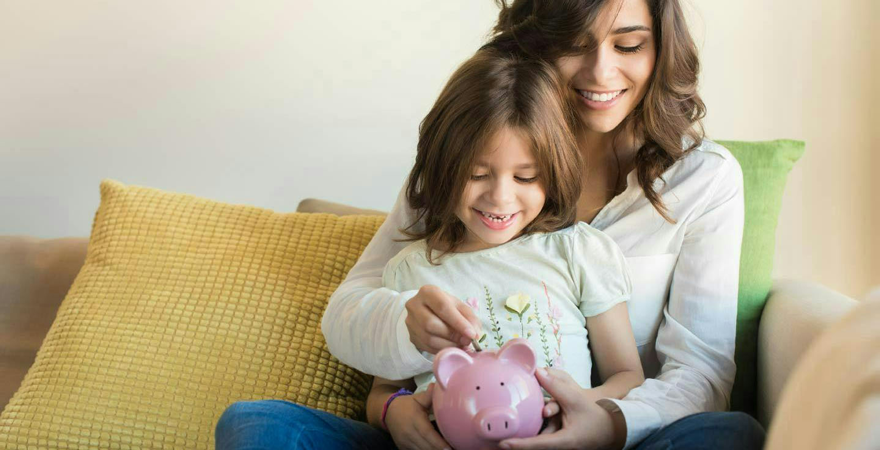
pixel 313 205
pixel 35 275
pixel 796 313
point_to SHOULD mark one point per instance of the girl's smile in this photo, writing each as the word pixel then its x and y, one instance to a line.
pixel 504 194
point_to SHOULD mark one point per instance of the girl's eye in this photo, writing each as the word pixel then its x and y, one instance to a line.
pixel 623 49
pixel 478 177
pixel 526 180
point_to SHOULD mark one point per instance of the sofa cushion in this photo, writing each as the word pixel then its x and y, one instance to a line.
pixel 765 167
pixel 184 306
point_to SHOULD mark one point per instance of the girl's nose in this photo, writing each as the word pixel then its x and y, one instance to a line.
pixel 501 193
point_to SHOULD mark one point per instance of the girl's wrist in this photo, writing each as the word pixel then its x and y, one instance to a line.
pixel 401 392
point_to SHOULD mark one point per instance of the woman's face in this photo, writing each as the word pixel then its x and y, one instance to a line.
pixel 610 80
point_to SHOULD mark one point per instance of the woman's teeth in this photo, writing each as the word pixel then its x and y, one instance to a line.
pixel 596 97
pixel 495 218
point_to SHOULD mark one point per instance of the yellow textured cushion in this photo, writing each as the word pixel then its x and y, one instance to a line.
pixel 185 305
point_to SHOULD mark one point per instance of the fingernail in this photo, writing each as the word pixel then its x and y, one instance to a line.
pixel 543 372
pixel 470 332
pixel 504 445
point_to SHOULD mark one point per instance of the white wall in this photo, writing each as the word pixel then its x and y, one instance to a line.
pixel 266 103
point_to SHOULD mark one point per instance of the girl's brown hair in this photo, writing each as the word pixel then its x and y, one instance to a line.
pixel 491 91
pixel 668 118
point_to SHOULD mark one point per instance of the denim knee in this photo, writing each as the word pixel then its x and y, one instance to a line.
pixel 258 423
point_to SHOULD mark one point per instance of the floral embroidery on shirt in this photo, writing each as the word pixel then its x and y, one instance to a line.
pixel 553 316
pixel 495 326
pixel 518 304
pixel 474 303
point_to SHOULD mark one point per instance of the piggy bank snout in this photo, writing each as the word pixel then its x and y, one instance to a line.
pixel 497 423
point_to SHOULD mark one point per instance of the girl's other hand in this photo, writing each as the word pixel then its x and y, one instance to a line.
pixel 407 421
pixel 577 423
pixel 437 320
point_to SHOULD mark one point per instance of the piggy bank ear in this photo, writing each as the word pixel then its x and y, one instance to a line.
pixel 520 352
pixel 447 362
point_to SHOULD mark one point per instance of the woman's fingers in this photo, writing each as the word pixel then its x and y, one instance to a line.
pixel 553 425
pixel 551 409
pixel 560 385
pixel 539 442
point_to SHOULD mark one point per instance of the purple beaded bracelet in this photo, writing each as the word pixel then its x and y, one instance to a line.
pixel 402 391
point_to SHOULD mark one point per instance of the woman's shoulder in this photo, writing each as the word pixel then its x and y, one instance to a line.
pixel 706 165
pixel 710 157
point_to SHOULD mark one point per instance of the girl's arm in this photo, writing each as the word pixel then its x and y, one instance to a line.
pixel 381 390
pixel 407 415
pixel 614 349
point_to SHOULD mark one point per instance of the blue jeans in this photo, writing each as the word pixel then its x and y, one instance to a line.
pixel 276 424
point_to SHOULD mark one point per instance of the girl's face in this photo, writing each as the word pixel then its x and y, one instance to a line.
pixel 504 194
pixel 610 80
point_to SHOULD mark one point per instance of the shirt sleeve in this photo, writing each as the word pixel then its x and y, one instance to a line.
pixel 599 269
pixel 696 339
pixel 364 323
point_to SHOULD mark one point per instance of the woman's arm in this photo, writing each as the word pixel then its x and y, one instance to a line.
pixel 364 322
pixel 367 326
pixel 696 339
pixel 614 349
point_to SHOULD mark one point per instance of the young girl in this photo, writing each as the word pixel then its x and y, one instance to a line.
pixel 494 188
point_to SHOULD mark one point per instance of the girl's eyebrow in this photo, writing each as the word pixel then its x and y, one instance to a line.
pixel 519 167
pixel 630 29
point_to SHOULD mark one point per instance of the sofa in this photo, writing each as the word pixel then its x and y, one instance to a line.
pixel 177 306
pixel 35 275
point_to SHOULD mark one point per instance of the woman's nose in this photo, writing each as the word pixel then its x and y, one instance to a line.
pixel 600 65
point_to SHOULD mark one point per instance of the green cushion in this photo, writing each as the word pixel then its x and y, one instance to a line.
pixel 765 166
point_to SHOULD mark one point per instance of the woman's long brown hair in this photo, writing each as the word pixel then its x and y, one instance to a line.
pixel 668 119
pixel 489 92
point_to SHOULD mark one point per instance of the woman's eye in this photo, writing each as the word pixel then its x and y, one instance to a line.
pixel 623 49
pixel 526 180
pixel 478 177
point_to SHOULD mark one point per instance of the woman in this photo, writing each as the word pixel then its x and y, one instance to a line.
pixel 671 200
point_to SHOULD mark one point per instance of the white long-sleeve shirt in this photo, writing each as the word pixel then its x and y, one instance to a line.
pixel 683 306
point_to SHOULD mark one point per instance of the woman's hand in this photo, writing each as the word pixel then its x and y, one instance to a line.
pixel 576 421
pixel 407 421
pixel 437 320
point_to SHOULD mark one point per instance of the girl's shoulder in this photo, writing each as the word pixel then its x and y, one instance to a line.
pixel 415 251
pixel 581 235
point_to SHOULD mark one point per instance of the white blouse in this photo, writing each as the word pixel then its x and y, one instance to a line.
pixel 685 279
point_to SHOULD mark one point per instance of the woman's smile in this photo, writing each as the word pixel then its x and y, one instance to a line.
pixel 600 100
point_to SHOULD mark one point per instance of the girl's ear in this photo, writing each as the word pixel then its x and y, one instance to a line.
pixel 520 352
pixel 447 362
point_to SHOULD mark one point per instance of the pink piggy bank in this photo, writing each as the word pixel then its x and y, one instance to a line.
pixel 486 397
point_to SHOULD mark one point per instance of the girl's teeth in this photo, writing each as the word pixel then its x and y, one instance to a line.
pixel 495 218
pixel 600 97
